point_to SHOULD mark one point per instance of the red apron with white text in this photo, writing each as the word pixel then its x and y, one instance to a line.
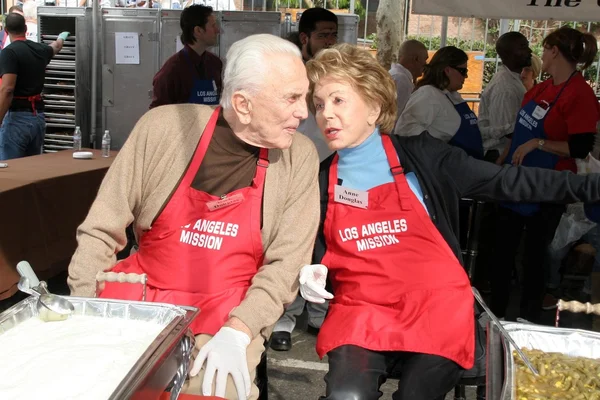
pixel 397 284
pixel 202 250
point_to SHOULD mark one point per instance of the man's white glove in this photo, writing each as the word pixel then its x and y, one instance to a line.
pixel 312 283
pixel 224 354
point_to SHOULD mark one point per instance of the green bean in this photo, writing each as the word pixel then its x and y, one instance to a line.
pixel 561 377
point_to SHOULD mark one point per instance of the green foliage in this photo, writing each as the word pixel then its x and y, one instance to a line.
pixel 340 4
pixel 434 43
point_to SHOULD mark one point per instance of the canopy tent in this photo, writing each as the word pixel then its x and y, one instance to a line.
pixel 560 10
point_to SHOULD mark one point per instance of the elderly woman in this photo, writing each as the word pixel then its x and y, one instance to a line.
pixel 225 206
pixel 388 236
pixel 556 124
pixel 437 107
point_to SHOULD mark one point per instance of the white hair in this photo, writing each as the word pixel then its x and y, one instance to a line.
pixel 30 10
pixel 246 67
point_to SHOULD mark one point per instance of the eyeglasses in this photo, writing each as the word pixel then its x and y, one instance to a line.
pixel 461 70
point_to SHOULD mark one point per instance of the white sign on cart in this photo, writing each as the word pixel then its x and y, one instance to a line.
pixel 127 47
pixel 560 10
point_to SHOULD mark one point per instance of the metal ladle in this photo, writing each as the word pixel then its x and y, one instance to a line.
pixel 50 306
pixel 504 333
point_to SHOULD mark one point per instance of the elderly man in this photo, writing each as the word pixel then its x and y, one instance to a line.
pixel 412 58
pixel 225 221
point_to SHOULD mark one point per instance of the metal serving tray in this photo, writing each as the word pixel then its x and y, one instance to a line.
pixel 165 361
pixel 573 342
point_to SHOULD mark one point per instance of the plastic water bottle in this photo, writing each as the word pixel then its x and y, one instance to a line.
pixel 106 144
pixel 77 139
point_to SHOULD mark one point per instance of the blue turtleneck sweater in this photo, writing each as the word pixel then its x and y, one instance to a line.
pixel 366 166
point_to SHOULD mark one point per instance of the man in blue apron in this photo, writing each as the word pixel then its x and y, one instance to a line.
pixel 193 74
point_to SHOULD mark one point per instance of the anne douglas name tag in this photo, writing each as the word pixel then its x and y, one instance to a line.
pixel 351 197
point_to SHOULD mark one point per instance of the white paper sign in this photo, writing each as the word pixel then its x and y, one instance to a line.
pixel 178 45
pixel 127 46
pixel 560 10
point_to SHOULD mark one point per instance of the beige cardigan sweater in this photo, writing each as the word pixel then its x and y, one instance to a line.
pixel 146 172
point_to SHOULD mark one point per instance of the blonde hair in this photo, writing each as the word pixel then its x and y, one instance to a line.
pixel 536 66
pixel 361 70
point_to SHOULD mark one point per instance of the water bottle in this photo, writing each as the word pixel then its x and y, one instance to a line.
pixel 106 144
pixel 77 139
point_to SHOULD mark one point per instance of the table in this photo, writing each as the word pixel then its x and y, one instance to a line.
pixel 42 201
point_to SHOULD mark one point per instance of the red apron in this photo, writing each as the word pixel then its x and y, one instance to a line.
pixel 202 250
pixel 397 284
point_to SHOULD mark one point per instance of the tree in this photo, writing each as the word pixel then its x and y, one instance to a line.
pixel 390 26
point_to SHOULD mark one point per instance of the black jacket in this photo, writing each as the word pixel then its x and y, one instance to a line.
pixel 446 174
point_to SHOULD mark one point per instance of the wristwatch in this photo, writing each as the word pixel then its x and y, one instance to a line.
pixel 541 143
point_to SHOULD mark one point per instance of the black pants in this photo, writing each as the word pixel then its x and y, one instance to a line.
pixel 356 373
pixel 540 229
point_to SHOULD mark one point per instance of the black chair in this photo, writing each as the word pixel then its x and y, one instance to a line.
pixel 262 378
pixel 460 389
pixel 471 216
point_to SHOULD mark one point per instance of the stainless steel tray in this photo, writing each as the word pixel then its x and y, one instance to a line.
pixel 53 86
pixel 62 73
pixel 574 342
pixel 59 97
pixel 59 115
pixel 55 125
pixel 163 363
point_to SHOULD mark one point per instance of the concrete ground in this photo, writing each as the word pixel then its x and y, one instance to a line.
pixel 298 374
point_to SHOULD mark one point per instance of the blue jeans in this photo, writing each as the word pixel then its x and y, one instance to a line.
pixel 21 134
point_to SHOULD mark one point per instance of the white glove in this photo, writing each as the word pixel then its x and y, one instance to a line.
pixel 312 283
pixel 225 353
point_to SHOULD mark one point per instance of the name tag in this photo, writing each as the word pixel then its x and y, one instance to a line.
pixel 226 202
pixel 539 112
pixel 351 197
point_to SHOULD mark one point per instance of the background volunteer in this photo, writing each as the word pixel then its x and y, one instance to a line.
pixel 23 70
pixel 502 97
pixel 438 108
pixel 412 58
pixel 4 36
pixel 242 285
pixel 557 123
pixel 317 30
pixel 193 74
pixel 530 75
pixel 389 314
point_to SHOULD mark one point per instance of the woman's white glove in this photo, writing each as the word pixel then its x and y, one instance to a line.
pixel 225 353
pixel 312 283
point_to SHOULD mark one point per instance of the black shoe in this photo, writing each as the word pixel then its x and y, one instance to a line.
pixel 281 341
pixel 312 330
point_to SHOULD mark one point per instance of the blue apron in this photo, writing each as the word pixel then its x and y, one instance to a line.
pixel 204 91
pixel 530 125
pixel 468 136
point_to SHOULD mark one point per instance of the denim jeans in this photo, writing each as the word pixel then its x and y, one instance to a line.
pixel 21 134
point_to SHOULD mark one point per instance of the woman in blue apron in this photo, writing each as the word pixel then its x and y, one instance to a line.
pixel 556 124
pixel 437 107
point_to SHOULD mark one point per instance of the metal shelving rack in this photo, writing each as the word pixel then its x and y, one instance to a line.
pixel 66 86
